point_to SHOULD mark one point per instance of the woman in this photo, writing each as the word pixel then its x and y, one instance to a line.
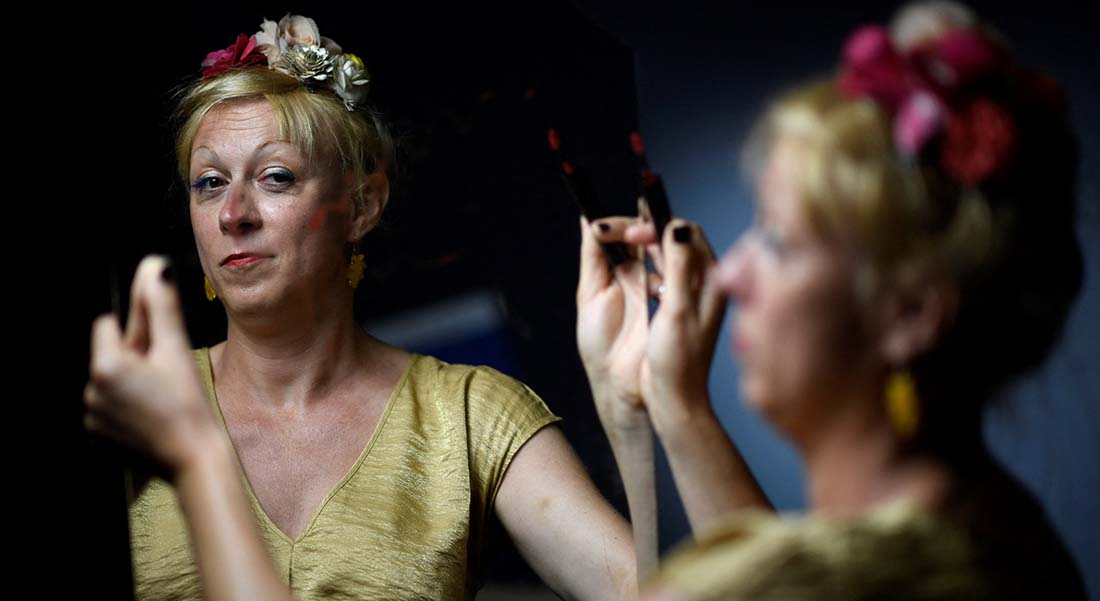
pixel 373 472
pixel 910 211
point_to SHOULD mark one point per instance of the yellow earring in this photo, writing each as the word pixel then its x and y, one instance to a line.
pixel 356 267
pixel 210 293
pixel 902 404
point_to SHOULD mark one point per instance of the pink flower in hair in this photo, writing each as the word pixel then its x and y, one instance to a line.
pixel 873 67
pixel 242 52
pixel 917 122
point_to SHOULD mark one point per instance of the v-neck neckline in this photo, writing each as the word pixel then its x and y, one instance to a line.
pixel 255 500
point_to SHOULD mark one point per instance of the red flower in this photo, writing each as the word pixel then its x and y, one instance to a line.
pixel 873 67
pixel 241 53
pixel 979 140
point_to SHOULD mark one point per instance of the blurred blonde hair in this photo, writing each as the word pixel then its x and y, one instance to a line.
pixel 854 186
pixel 1009 244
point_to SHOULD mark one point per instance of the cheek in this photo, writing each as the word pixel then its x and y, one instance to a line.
pixel 809 341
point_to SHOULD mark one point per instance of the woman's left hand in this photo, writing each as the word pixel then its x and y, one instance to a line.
pixel 144 390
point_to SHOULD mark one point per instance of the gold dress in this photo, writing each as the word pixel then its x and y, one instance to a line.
pixel 406 521
pixel 897 552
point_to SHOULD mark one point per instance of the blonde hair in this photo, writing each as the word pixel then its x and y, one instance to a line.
pixel 1009 244
pixel 854 185
pixel 316 122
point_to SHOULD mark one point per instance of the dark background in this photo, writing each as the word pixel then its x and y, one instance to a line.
pixel 479 206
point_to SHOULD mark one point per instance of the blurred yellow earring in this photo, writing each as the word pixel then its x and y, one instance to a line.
pixel 210 293
pixel 356 267
pixel 902 404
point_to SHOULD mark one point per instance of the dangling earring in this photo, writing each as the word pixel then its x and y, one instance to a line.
pixel 902 404
pixel 210 293
pixel 355 267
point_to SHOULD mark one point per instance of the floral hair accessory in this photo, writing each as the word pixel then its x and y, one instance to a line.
pixel 294 46
pixel 936 91
pixel 240 54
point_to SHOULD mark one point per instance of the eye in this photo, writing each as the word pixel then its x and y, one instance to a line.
pixel 207 183
pixel 772 242
pixel 280 178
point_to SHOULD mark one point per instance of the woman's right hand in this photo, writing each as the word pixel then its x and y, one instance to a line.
pixel 612 328
pixel 144 390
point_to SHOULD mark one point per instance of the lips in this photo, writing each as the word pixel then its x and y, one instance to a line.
pixel 238 259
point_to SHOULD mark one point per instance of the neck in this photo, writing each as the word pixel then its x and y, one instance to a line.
pixel 292 358
pixel 855 461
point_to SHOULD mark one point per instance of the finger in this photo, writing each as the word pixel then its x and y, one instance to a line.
pixel 657 256
pixel 712 298
pixel 91 396
pixel 655 284
pixel 612 229
pixel 136 329
pixel 640 233
pixel 106 347
pixel 91 424
pixel 595 275
pixel 162 303
pixel 100 425
pixel 712 301
pixel 683 267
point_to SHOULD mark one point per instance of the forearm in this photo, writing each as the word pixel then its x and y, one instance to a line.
pixel 710 473
pixel 232 560
pixel 632 444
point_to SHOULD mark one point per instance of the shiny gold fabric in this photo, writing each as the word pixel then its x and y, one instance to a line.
pixel 407 520
pixel 897 552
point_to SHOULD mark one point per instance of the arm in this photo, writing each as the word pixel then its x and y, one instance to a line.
pixel 711 476
pixel 143 392
pixel 572 537
pixel 232 560
pixel 612 327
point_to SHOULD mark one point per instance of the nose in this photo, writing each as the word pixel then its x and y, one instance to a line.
pixel 239 214
pixel 734 272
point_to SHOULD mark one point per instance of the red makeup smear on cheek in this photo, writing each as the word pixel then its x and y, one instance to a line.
pixel 321 214
pixel 318 218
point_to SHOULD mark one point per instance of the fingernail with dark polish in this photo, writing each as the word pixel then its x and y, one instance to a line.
pixel 604 227
pixel 682 234
pixel 169 273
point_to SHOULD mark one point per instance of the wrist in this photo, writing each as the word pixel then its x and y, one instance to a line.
pixel 684 419
pixel 205 448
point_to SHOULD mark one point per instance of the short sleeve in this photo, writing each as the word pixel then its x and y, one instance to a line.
pixel 502 414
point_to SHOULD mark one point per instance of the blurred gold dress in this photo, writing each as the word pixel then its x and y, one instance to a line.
pixel 406 521
pixel 897 552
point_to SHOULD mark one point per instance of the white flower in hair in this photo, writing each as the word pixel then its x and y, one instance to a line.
pixel 350 80
pixel 295 47
pixel 275 39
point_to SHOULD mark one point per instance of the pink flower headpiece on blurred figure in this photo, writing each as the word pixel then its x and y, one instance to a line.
pixel 294 46
pixel 934 90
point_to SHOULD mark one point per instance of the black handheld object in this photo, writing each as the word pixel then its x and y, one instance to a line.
pixel 579 184
pixel 653 203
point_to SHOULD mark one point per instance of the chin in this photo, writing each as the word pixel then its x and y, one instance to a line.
pixel 763 402
pixel 753 395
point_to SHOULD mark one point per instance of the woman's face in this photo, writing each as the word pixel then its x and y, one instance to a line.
pixel 798 329
pixel 270 227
